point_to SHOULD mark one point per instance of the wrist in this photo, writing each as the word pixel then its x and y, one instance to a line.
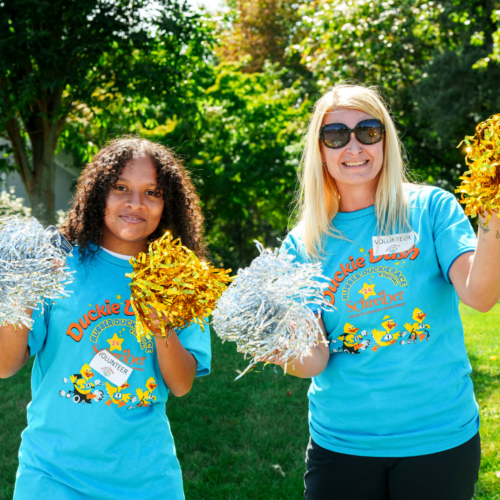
pixel 489 227
pixel 163 341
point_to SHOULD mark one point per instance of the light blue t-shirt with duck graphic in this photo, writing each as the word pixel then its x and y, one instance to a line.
pixel 97 427
pixel 398 379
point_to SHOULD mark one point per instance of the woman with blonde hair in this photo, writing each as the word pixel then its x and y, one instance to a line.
pixel 392 408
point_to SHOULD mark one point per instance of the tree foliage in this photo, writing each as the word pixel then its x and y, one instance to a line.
pixel 421 54
pixel 256 31
pixel 62 57
pixel 241 150
pixel 384 42
pixel 478 38
pixel 235 110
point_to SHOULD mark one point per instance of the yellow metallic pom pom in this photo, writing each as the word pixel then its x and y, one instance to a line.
pixel 172 288
pixel 480 184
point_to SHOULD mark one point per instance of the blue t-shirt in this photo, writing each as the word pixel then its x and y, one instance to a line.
pixel 97 427
pixel 398 379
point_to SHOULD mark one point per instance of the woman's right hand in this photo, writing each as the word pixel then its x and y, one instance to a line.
pixel 311 365
pixel 14 350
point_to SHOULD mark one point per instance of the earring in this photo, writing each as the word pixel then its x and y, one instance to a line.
pixel 323 164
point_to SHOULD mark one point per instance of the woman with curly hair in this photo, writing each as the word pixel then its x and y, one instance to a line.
pixel 91 438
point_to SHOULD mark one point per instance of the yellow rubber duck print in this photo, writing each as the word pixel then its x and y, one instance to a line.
pixel 116 395
pixel 151 384
pixel 146 398
pixel 353 342
pixel 419 329
pixel 387 337
pixel 82 387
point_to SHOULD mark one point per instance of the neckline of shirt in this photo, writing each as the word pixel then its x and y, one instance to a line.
pixel 119 255
pixel 357 214
pixel 114 258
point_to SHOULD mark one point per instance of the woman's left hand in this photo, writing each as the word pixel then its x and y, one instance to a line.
pixel 154 323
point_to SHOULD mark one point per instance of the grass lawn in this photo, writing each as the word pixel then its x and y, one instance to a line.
pixel 246 439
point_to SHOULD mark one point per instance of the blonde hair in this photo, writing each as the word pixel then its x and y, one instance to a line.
pixel 318 198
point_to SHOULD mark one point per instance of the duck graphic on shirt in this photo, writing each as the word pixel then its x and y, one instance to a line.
pixel 386 337
pixel 146 398
pixel 116 395
pixel 82 387
pixel 419 329
pixel 352 341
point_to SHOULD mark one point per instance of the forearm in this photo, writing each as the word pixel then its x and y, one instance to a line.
pixel 311 365
pixel 14 350
pixel 481 287
pixel 177 365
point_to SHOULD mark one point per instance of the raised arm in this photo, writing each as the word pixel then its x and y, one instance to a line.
pixel 14 350
pixel 476 275
pixel 177 365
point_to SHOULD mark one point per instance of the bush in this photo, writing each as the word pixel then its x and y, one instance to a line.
pixel 10 205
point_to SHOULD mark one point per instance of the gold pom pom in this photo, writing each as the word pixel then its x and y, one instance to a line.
pixel 480 184
pixel 171 288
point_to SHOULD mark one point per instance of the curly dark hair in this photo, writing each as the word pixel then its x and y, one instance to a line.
pixel 181 214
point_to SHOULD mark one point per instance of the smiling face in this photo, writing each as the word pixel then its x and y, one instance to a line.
pixel 389 324
pixel 419 315
pixel 356 164
pixel 348 328
pixel 86 371
pixel 133 208
pixel 151 384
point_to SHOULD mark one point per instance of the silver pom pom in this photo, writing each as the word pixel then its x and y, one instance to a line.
pixel 31 271
pixel 270 307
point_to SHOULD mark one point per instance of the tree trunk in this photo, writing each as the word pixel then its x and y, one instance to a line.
pixel 43 125
pixel 42 196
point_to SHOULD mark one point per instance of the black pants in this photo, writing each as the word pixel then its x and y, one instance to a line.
pixel 447 475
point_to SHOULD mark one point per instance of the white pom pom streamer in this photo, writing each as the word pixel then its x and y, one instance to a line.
pixel 31 271
pixel 267 308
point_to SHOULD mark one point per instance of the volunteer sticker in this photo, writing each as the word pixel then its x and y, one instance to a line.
pixel 385 245
pixel 111 368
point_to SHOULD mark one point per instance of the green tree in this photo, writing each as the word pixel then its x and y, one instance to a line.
pixel 256 31
pixel 241 149
pixel 421 54
pixel 61 58
pixel 380 41
pixel 478 38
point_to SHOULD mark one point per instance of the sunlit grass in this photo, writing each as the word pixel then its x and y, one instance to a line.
pixel 246 439
pixel 482 336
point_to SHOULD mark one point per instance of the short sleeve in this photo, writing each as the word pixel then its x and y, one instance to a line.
pixel 293 246
pixel 197 342
pixel 452 231
pixel 38 332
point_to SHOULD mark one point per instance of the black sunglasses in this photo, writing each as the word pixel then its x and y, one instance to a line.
pixel 338 135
